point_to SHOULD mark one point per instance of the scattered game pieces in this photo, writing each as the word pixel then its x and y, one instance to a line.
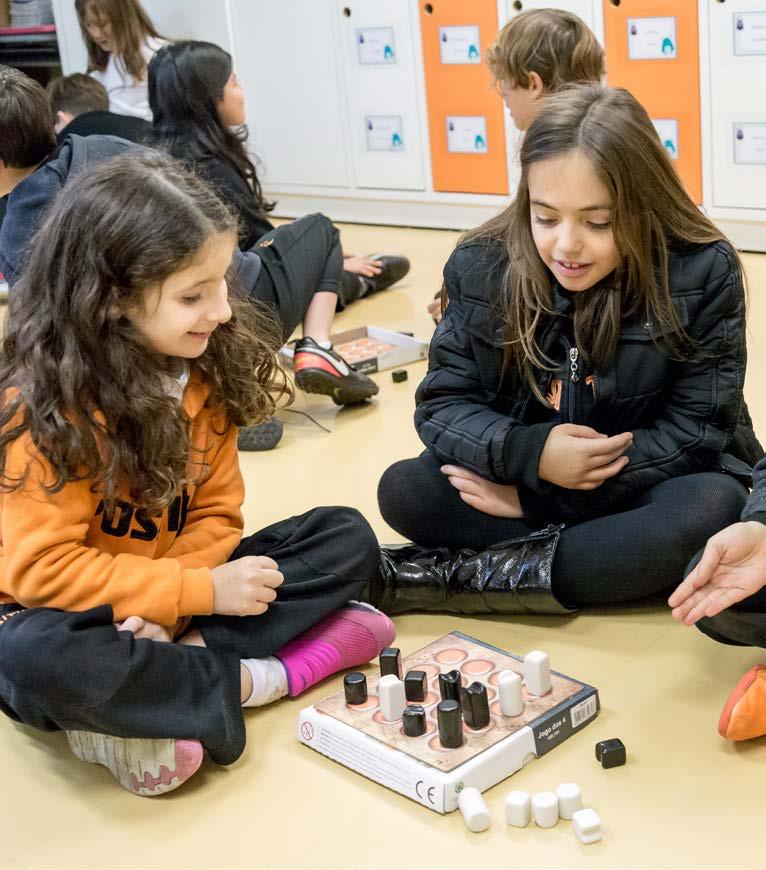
pixel 450 721
pixel 545 809
pixel 475 706
pixel 391 662
pixel 570 799
pixel 449 685
pixel 509 688
pixel 474 810
pixel 587 825
pixel 355 687
pixel 537 673
pixel 415 685
pixel 392 699
pixel 611 753
pixel 414 721
pixel 518 809
pixel 399 376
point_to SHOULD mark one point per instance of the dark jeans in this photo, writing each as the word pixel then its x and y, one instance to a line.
pixel 641 551
pixel 62 670
pixel 299 259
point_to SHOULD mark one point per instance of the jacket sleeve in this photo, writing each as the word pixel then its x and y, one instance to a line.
pixel 47 561
pixel 755 509
pixel 214 523
pixel 701 412
pixel 455 417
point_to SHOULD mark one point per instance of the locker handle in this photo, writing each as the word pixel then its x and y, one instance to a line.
pixel 518 5
pixel 429 9
pixel 347 12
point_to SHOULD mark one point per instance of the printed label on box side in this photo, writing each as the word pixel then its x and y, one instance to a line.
pixel 563 721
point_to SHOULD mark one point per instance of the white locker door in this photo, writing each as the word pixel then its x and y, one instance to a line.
pixel 378 59
pixel 191 19
pixel 738 110
pixel 287 62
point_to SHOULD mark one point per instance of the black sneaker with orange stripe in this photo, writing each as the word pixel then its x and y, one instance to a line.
pixel 324 371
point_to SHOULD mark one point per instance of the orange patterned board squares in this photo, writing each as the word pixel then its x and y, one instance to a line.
pixel 362 348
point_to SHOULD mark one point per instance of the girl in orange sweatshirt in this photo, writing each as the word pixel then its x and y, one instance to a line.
pixel 133 615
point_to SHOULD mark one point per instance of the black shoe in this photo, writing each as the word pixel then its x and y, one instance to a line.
pixel 324 371
pixel 510 577
pixel 264 436
pixel 392 269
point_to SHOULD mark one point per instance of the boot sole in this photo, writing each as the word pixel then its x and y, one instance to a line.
pixel 313 381
pixel 736 696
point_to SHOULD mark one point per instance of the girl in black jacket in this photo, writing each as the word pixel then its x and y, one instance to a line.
pixel 584 394
pixel 199 117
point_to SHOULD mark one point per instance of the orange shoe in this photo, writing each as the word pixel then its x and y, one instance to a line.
pixel 744 715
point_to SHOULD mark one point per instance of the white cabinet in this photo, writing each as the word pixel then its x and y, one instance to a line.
pixel 181 19
pixel 378 62
pixel 287 57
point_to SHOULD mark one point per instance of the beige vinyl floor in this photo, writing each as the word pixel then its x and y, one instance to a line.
pixel 686 798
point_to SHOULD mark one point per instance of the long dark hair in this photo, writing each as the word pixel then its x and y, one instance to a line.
pixel 652 214
pixel 77 376
pixel 186 82
pixel 131 27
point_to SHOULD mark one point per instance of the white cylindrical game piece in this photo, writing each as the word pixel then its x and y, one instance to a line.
pixel 537 673
pixel 570 799
pixel 587 825
pixel 518 811
pixel 474 810
pixel 545 809
pixel 392 697
pixel 509 687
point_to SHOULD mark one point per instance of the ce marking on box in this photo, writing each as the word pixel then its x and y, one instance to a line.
pixel 429 792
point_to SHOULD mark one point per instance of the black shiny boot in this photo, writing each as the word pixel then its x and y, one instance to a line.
pixel 509 577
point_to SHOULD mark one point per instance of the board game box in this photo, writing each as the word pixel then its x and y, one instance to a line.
pixel 419 767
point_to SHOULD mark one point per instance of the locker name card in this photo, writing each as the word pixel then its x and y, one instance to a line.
pixel 749 33
pixel 652 38
pixel 384 132
pixel 375 45
pixel 750 144
pixel 459 44
pixel 667 130
pixel 466 134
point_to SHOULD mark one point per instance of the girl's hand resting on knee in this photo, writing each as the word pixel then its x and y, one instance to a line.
pixel 732 568
pixel 495 499
pixel 144 628
pixel 578 457
pixel 246 586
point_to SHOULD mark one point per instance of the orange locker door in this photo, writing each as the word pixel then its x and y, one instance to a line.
pixel 465 114
pixel 652 50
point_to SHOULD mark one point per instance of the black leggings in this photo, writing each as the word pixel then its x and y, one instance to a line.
pixel 610 560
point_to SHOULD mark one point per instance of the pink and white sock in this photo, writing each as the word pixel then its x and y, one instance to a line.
pixel 345 639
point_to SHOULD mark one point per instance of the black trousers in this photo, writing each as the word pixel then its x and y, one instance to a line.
pixel 641 551
pixel 298 260
pixel 75 671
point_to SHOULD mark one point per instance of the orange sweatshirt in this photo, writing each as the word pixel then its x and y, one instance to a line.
pixel 61 551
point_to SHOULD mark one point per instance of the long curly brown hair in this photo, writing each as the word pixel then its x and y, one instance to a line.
pixel 74 372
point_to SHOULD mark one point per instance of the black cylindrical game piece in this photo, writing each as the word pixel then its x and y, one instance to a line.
pixel 355 687
pixel 449 685
pixel 450 723
pixel 415 685
pixel 414 720
pixel 475 705
pixel 391 662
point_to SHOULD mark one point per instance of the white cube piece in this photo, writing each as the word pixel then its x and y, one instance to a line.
pixel 518 809
pixel 545 809
pixel 509 687
pixel 570 799
pixel 392 697
pixel 537 672
pixel 587 825
pixel 474 810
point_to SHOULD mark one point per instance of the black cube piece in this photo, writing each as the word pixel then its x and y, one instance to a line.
pixel 450 721
pixel 449 685
pixel 611 753
pixel 399 376
pixel 414 720
pixel 355 687
pixel 391 662
pixel 415 685
pixel 475 705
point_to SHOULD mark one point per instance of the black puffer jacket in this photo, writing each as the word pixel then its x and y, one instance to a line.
pixel 685 416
